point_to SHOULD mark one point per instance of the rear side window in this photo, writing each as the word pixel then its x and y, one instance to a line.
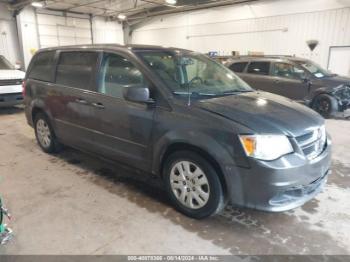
pixel 43 66
pixel 259 68
pixel 238 67
pixel 76 69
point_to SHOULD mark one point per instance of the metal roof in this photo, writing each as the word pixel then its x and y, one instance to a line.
pixel 133 9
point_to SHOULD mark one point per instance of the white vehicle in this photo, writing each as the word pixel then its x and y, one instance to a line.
pixel 10 84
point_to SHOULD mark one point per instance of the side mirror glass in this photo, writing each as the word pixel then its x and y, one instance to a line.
pixel 304 79
pixel 137 94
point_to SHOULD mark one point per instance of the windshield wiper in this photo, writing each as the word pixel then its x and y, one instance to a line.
pixel 232 92
pixel 193 93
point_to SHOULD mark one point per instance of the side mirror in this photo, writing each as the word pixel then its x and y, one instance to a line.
pixel 305 79
pixel 17 66
pixel 137 94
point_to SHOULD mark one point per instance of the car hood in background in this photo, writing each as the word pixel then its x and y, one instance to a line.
pixel 333 81
pixel 265 113
pixel 11 74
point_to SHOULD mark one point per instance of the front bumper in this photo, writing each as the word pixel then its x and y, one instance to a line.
pixel 10 99
pixel 281 184
pixel 344 105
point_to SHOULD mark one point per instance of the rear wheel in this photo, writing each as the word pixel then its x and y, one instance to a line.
pixel 45 135
pixel 325 105
pixel 193 185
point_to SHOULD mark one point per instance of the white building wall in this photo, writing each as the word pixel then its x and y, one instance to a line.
pixel 48 28
pixel 107 31
pixel 28 34
pixel 9 46
pixel 278 27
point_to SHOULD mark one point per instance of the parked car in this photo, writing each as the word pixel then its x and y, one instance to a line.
pixel 180 115
pixel 298 79
pixel 222 59
pixel 10 84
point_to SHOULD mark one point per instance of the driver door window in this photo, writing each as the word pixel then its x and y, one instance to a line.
pixel 118 73
pixel 287 71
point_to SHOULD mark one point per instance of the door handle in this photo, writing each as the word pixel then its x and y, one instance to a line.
pixel 98 105
pixel 276 81
pixel 81 101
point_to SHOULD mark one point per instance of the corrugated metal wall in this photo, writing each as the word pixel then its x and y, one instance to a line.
pixel 281 35
pixel 8 35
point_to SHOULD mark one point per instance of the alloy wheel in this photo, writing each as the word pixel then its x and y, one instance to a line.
pixel 323 106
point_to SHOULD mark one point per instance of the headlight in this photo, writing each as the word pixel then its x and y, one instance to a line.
pixel 266 147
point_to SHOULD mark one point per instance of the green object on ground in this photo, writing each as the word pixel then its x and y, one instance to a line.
pixel 2 227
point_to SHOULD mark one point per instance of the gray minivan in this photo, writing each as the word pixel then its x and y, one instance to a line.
pixel 180 115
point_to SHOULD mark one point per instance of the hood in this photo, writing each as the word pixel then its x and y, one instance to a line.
pixel 333 81
pixel 265 113
pixel 11 74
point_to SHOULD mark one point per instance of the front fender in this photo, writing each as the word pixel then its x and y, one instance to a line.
pixel 320 90
pixel 190 138
pixel 225 159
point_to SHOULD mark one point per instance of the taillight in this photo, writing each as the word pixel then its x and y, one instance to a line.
pixel 24 88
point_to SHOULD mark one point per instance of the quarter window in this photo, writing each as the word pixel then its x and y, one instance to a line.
pixel 259 68
pixel 118 73
pixel 76 69
pixel 42 68
pixel 238 67
pixel 287 71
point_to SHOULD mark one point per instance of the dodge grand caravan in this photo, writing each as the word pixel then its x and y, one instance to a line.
pixel 180 115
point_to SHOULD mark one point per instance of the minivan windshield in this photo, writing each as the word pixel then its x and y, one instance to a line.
pixel 194 74
pixel 5 64
pixel 315 69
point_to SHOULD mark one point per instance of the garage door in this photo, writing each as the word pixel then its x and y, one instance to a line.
pixel 339 60
pixel 59 29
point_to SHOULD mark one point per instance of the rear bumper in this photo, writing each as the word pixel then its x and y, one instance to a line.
pixel 10 99
pixel 282 184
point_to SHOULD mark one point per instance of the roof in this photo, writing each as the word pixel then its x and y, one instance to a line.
pixel 134 10
pixel 114 46
pixel 267 57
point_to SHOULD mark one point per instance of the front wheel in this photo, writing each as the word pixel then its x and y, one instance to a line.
pixel 193 185
pixel 325 105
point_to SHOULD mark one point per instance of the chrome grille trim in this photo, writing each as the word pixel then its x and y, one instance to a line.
pixel 307 138
pixel 313 143
pixel 9 82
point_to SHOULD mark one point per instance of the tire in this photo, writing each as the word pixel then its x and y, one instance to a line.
pixel 44 134
pixel 200 201
pixel 325 105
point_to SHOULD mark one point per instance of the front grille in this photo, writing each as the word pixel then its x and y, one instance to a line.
pixel 313 143
pixel 11 97
pixel 10 82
